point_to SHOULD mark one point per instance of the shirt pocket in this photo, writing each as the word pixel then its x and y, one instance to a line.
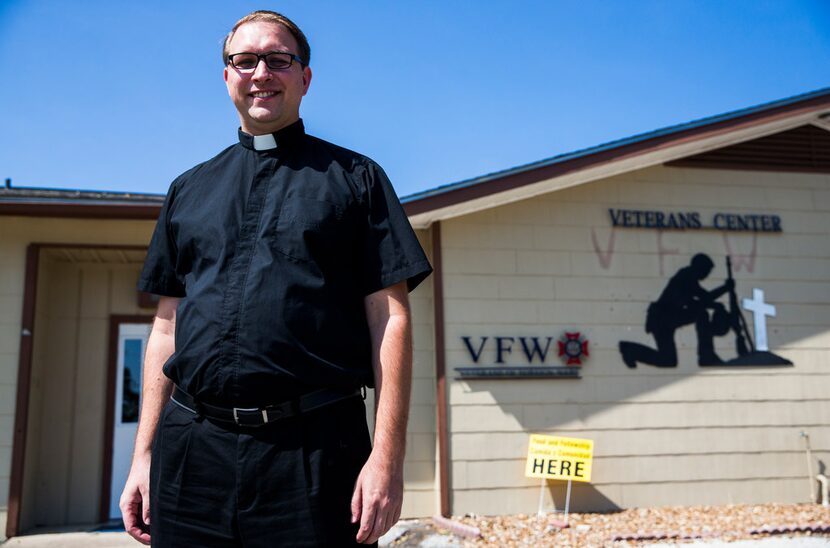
pixel 309 230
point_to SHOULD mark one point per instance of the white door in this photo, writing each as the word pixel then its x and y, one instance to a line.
pixel 132 341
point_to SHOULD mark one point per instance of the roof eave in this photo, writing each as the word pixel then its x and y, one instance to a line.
pixel 613 158
pixel 80 210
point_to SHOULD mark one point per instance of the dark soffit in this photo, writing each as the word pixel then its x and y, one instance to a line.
pixel 804 148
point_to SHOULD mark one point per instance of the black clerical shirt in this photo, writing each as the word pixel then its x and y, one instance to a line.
pixel 272 252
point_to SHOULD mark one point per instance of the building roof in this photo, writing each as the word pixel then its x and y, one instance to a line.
pixel 49 202
pixel 35 194
pixel 636 152
pixel 521 182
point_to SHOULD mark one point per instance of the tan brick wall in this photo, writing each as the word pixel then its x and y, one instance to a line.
pixel 420 490
pixel 542 266
pixel 15 234
pixel 11 296
pixel 64 456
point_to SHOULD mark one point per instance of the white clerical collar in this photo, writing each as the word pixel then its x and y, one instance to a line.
pixel 277 141
pixel 264 142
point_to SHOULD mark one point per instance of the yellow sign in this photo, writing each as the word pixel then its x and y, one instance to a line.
pixel 559 458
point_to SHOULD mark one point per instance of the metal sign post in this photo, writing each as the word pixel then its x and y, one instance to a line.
pixel 568 501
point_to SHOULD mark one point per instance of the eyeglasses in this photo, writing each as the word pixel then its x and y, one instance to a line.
pixel 274 60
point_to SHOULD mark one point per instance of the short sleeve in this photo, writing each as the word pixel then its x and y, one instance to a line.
pixel 159 273
pixel 391 250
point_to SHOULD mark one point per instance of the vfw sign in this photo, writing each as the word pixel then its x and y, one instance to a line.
pixel 530 356
pixel 528 348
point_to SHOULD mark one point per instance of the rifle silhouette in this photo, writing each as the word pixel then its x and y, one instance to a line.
pixel 736 318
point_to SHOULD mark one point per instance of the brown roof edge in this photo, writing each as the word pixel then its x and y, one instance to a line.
pixel 81 210
pixel 515 179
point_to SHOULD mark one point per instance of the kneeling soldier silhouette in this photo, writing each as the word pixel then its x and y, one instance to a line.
pixel 683 302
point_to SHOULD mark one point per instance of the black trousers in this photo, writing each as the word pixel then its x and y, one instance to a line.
pixel 288 483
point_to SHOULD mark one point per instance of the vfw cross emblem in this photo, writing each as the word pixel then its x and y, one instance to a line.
pixel 573 347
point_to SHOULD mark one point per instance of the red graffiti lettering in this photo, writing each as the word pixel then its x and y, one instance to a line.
pixel 742 260
pixel 606 255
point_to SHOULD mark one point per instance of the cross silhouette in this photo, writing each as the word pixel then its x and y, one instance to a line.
pixel 760 310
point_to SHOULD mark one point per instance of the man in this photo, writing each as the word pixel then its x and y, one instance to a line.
pixel 682 302
pixel 283 266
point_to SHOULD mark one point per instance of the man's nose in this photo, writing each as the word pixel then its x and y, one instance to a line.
pixel 261 72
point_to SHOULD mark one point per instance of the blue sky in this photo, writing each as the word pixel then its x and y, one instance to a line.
pixel 127 95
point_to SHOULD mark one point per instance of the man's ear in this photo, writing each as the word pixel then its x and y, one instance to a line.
pixel 225 77
pixel 306 79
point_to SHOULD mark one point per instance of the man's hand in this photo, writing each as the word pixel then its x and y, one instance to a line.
pixel 135 500
pixel 377 498
pixel 156 389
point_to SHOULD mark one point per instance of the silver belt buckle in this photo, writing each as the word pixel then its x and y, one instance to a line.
pixel 237 409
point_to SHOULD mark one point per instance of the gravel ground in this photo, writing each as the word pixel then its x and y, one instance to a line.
pixel 652 526
pixel 670 527
pixel 773 542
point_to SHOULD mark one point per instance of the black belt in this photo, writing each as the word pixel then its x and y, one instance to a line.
pixel 257 416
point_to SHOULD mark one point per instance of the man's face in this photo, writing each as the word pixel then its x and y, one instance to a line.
pixel 266 99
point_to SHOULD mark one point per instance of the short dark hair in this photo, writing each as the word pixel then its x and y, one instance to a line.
pixel 266 16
